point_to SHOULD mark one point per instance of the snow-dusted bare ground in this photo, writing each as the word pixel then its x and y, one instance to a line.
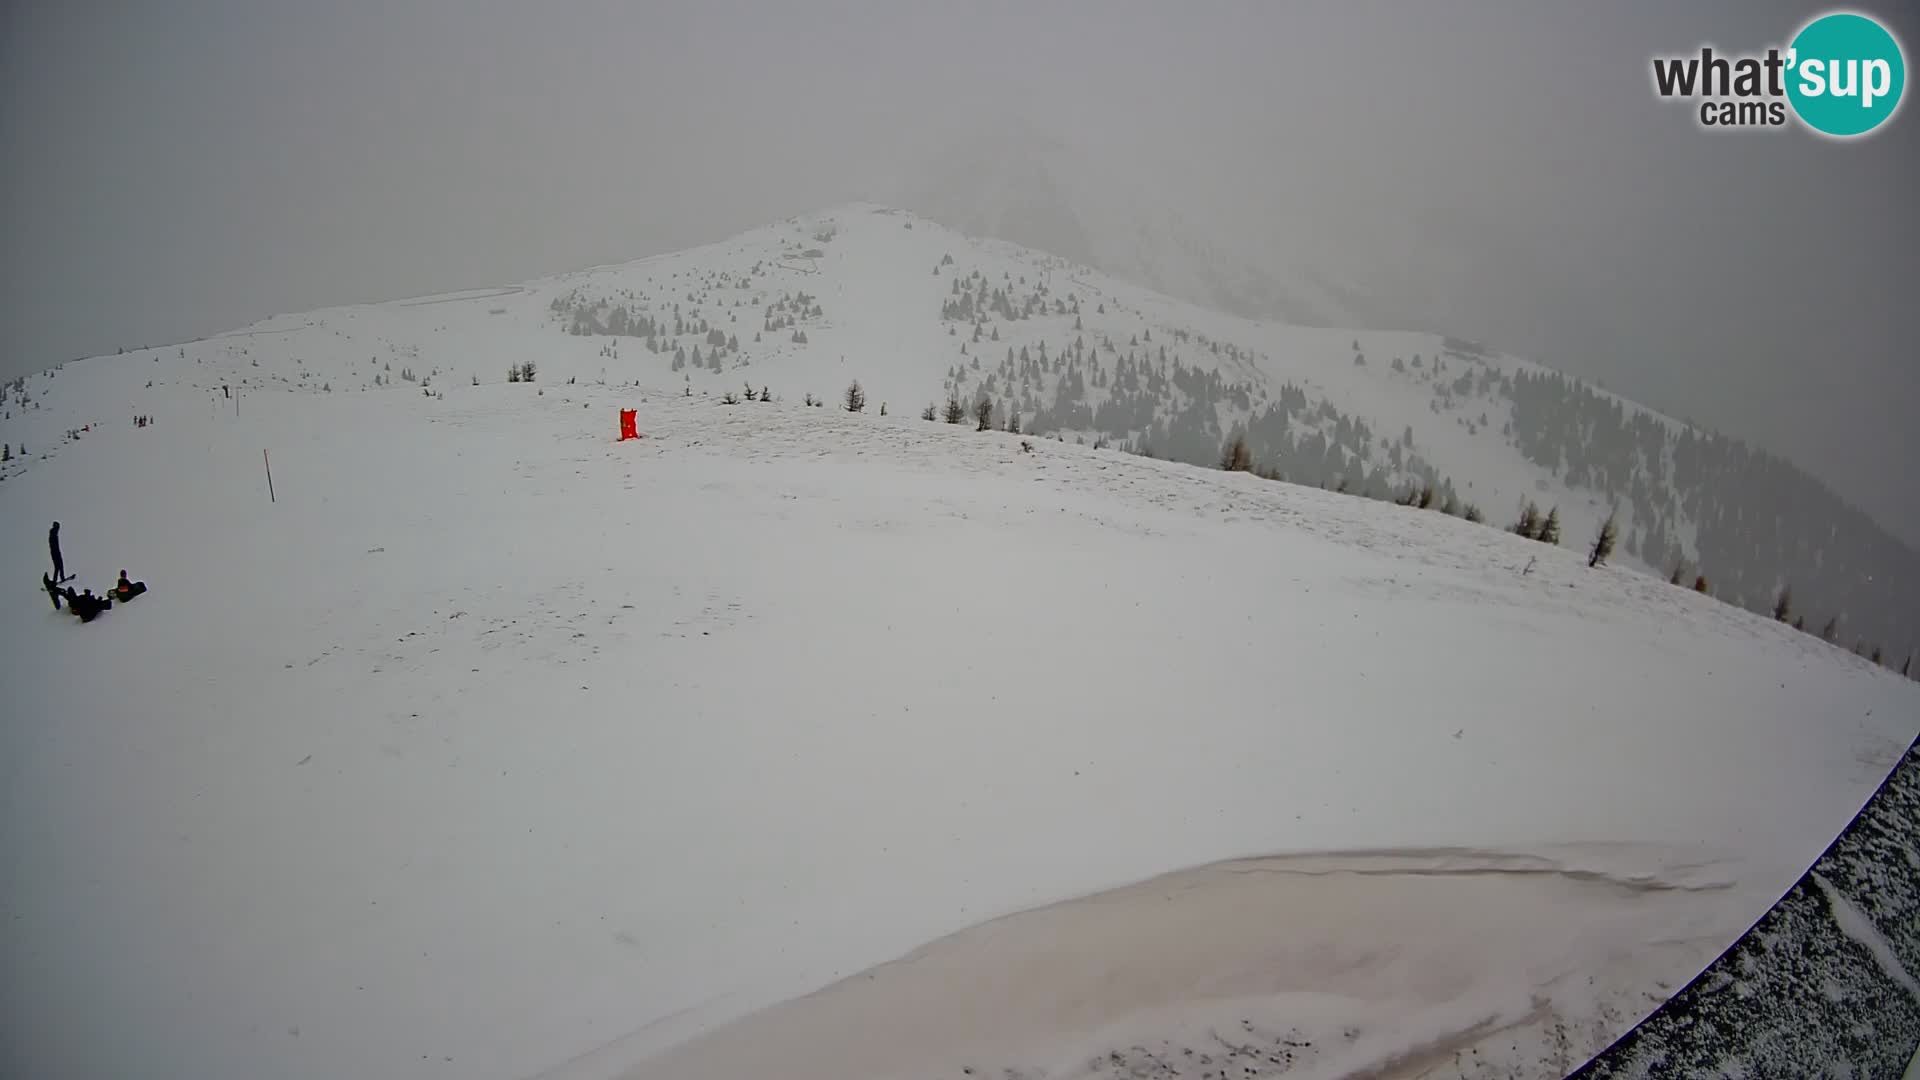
pixel 1319 966
pixel 495 748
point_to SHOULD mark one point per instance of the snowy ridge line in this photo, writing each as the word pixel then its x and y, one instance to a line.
pixel 1495 559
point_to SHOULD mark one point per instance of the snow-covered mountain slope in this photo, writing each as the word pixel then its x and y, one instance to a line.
pixel 919 313
pixel 487 746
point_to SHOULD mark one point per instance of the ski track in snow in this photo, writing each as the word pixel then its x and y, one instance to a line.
pixel 495 745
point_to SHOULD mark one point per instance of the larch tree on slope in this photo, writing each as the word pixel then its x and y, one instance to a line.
pixel 1603 542
pixel 1235 456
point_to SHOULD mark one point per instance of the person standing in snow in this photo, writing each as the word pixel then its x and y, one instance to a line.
pixel 53 545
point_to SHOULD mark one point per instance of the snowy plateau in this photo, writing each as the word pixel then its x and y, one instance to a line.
pixel 791 742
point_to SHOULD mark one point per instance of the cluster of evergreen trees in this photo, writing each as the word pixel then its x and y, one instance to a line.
pixel 1755 518
pixel 612 317
pixel 1146 397
pixel 974 298
pixel 785 312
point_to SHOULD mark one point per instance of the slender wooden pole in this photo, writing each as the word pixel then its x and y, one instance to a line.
pixel 269 464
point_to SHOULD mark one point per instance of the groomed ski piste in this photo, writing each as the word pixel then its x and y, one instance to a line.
pixel 787 742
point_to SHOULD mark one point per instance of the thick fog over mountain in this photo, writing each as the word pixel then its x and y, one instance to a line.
pixel 1496 172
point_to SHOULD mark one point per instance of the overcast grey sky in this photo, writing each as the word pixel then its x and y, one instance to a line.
pixel 1499 171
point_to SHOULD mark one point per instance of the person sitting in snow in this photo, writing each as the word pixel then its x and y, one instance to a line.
pixel 86 605
pixel 124 590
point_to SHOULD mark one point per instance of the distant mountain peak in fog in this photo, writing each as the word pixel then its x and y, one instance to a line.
pixel 1072 199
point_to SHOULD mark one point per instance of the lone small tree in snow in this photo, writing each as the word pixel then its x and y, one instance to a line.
pixel 1783 604
pixel 1472 513
pixel 1234 455
pixel 1013 421
pixel 983 414
pixel 956 412
pixel 1828 632
pixel 808 401
pixel 513 375
pixel 1603 542
pixel 856 398
pixel 928 413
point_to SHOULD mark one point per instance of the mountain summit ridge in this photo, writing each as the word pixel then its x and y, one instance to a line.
pixel 921 313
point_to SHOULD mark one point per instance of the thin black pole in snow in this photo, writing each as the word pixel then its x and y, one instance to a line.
pixel 269 464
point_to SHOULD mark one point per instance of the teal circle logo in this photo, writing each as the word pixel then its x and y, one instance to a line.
pixel 1846 74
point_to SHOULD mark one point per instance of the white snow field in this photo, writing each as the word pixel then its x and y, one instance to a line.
pixel 786 742
pixel 496 748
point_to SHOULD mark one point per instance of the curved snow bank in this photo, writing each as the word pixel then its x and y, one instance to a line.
pixel 1364 964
